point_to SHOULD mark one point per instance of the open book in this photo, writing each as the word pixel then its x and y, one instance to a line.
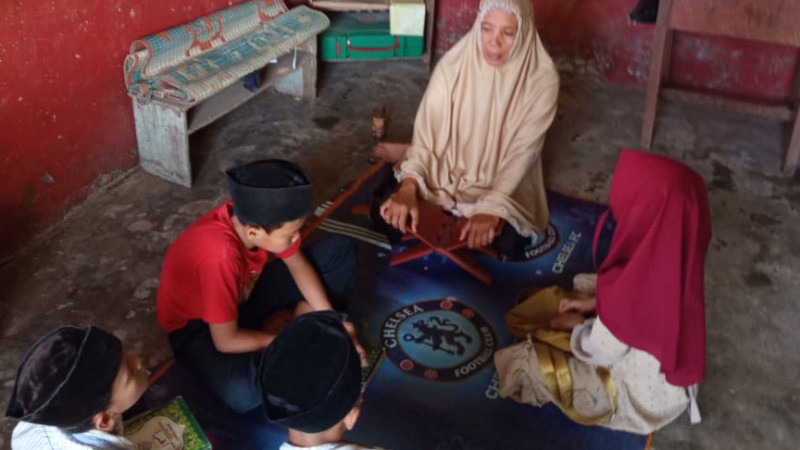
pixel 170 426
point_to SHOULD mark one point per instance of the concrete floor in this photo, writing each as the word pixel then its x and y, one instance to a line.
pixel 101 264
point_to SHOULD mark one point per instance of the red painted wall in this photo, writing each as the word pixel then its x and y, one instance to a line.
pixel 596 35
pixel 65 119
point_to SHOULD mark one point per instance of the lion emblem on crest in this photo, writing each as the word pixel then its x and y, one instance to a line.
pixel 442 340
pixel 437 331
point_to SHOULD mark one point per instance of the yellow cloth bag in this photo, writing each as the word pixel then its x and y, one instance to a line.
pixel 531 317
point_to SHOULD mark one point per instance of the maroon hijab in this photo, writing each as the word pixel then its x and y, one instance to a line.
pixel 650 286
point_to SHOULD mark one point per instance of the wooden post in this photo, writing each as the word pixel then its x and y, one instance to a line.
pixel 793 152
pixel 663 37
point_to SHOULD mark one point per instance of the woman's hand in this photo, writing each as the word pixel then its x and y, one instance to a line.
pixel 571 312
pixel 479 230
pixel 566 321
pixel 578 305
pixel 397 209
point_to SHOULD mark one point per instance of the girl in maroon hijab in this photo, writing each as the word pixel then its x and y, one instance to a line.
pixel 636 365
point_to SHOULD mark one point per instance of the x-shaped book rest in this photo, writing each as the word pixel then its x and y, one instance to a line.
pixel 438 231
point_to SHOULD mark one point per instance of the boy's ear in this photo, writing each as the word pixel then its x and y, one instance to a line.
pixel 253 231
pixel 105 421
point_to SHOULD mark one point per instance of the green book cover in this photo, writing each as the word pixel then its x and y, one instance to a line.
pixel 171 426
pixel 374 352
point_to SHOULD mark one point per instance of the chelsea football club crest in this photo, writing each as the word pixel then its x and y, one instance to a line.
pixel 442 340
pixel 540 245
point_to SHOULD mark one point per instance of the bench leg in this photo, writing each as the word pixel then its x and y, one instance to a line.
pixel 310 80
pixel 163 141
pixel 310 70
pixel 302 82
pixel 293 83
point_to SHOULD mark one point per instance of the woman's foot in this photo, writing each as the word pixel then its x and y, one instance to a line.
pixel 390 152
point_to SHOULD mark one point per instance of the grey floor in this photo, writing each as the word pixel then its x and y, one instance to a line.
pixel 101 264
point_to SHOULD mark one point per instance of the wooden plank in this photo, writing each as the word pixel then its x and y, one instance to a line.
pixel 430 21
pixel 310 70
pixel 793 152
pixel 795 93
pixel 774 21
pixel 234 95
pixel 350 5
pixel 775 111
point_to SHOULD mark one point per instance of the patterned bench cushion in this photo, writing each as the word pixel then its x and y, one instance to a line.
pixel 191 62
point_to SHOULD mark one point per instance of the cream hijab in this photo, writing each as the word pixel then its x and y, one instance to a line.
pixel 479 130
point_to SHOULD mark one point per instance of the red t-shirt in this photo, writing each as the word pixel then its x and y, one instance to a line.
pixel 208 271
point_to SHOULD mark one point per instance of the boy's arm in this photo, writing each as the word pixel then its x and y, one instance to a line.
pixel 307 280
pixel 229 338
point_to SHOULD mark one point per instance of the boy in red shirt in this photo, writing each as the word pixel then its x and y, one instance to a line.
pixel 218 295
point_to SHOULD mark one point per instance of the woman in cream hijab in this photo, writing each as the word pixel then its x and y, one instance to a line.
pixel 479 130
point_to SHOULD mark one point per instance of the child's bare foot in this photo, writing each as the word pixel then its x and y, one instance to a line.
pixel 390 152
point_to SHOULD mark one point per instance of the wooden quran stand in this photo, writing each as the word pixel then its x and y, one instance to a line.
pixel 438 232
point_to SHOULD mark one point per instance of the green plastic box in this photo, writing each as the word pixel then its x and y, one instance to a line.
pixel 365 36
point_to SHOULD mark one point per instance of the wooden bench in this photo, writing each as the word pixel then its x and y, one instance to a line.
pixel 185 78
